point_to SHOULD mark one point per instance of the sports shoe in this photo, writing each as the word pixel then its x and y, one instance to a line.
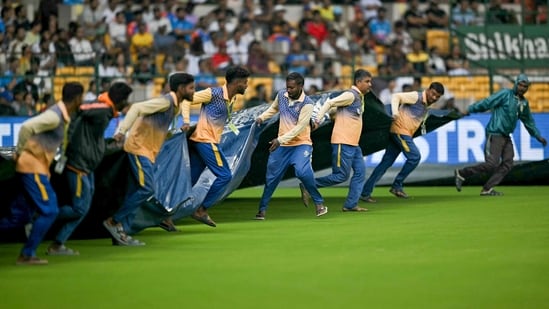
pixel 398 193
pixel 55 249
pixel 490 192
pixel 129 242
pixel 368 199
pixel 305 196
pixel 260 215
pixel 459 180
pixel 321 210
pixel 355 209
pixel 30 260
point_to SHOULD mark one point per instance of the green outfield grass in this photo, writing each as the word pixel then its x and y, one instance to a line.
pixel 439 249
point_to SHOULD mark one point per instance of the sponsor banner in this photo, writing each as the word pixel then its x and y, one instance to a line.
pixel 457 142
pixel 462 142
pixel 506 46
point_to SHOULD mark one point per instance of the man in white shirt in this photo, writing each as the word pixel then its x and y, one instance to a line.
pixel 82 49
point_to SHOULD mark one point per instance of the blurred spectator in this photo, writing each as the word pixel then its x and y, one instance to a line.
pixel 27 85
pixel 436 17
pixel 418 58
pixel 163 41
pixel 380 27
pixel 16 45
pixel 326 10
pixel 314 80
pixel 181 26
pixel 221 60
pixel 25 60
pixel 142 42
pixel 52 25
pixel 496 14
pixel 317 28
pixel 415 20
pixel 221 26
pixel 91 94
pixel 7 16
pixel 21 19
pixel 133 25
pixel 82 50
pixel 144 71
pixel 33 35
pixel 128 11
pixel 396 60
pixel 190 16
pixel 370 8
pixel 258 59
pixel 196 52
pixel 381 80
pixel 297 60
pixel 118 32
pixel 92 20
pixel 5 106
pixel 237 47
pixel 223 8
pixel 335 52
pixel 456 63
pixel 46 8
pixel 45 53
pixel 200 30
pixel 107 67
pixel 10 75
pixel 400 34
pixel 386 94
pixel 159 20
pixel 47 101
pixel 478 13
pixel 27 108
pixel 148 11
pixel 63 52
pixel 17 102
pixel 436 64
pixel 205 78
pixel 340 22
pixel 462 15
pixel 109 13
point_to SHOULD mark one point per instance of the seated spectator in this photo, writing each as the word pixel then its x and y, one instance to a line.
pixel 26 108
pixel 396 61
pixel 15 47
pixel 21 19
pixel 478 13
pixel 380 27
pixel 260 97
pixel 258 59
pixel 91 94
pixel 93 21
pixel 133 25
pixel 118 32
pixel 369 9
pixel 11 75
pixel 496 14
pixel 27 85
pixel 326 10
pixel 221 60
pixel 436 64
pixel 144 71
pixel 33 35
pixel 335 51
pixel 159 20
pixel 107 67
pixel 63 53
pixel 142 42
pixel 416 21
pixel 163 41
pixel 386 94
pixel 456 63
pixel 181 26
pixel 462 15
pixel 205 78
pixel 401 35
pixel 237 47
pixel 317 28
pixel 436 17
pixel 297 60
pixel 418 58
pixel 82 50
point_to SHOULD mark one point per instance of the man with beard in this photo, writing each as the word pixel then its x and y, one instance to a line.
pixel 215 111
pixel 293 146
pixel 507 106
pixel 148 123
pixel 409 110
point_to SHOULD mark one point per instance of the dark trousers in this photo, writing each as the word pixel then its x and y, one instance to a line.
pixel 498 154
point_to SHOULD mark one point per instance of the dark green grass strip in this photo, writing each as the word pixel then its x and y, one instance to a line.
pixel 440 249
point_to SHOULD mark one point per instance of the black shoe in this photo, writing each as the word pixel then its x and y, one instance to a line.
pixel 167 225
pixel 459 180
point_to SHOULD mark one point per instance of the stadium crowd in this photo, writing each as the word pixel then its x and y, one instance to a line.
pixel 136 41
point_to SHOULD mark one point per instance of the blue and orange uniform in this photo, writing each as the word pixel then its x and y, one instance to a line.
pixel 409 112
pixel 296 146
pixel 148 123
pixel 346 152
pixel 38 141
pixel 204 147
